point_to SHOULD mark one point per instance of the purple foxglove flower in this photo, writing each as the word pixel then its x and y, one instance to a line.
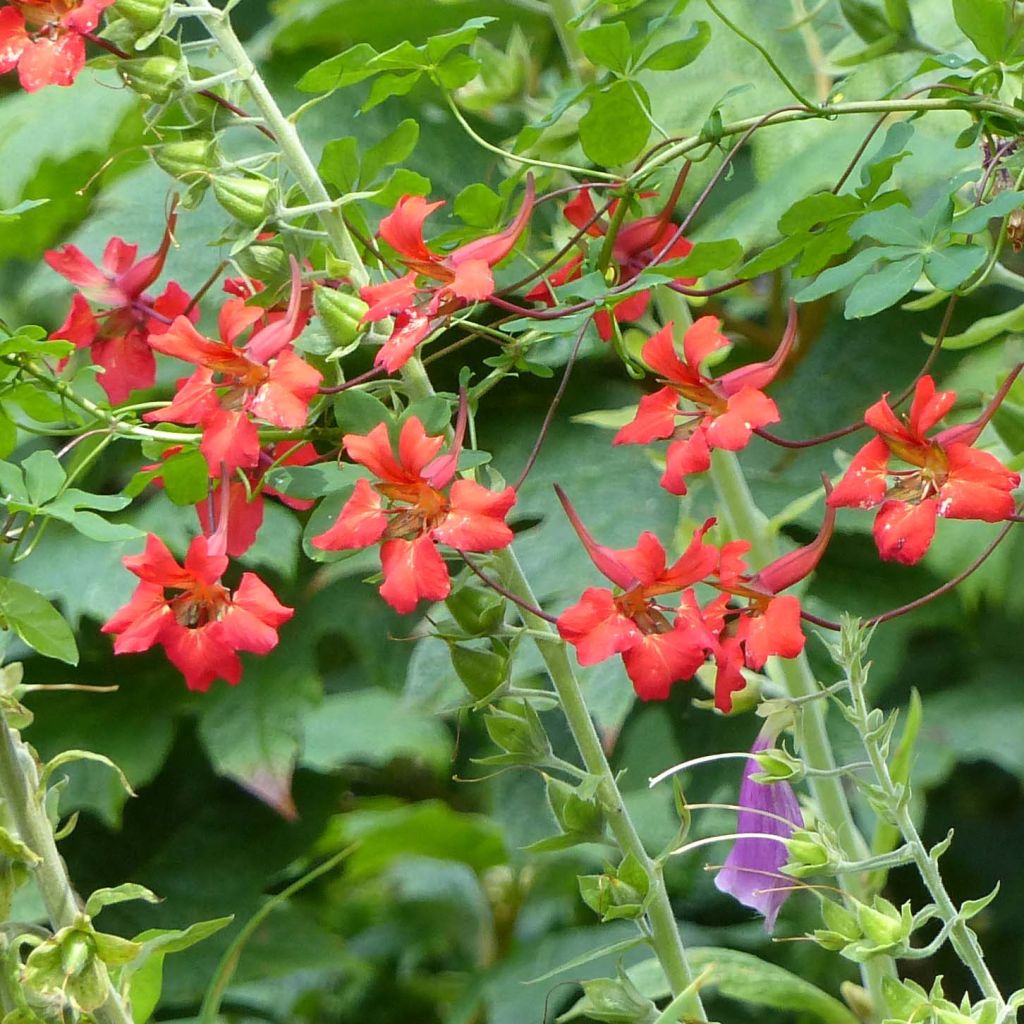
pixel 751 871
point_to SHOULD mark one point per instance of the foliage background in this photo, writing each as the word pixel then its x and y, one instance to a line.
pixel 440 915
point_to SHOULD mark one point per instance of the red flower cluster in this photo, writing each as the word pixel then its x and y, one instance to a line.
pixel 662 645
pixel 638 244
pixel 718 413
pixel 947 476
pixel 120 334
pixel 409 512
pixel 235 385
pixel 188 611
pixel 453 280
pixel 43 39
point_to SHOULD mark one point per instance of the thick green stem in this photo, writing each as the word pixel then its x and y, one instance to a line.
pixel 665 938
pixel 962 939
pixel 19 790
pixel 292 150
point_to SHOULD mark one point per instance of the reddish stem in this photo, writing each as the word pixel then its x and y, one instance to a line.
pixel 499 589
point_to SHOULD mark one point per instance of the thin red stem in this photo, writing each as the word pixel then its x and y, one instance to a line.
pixel 499 589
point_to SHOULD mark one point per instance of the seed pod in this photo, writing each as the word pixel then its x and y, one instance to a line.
pixel 249 200
pixel 482 672
pixel 477 611
pixel 143 14
pixel 341 313
pixel 156 78
pixel 187 157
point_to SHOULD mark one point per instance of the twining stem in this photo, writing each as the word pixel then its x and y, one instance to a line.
pixel 665 938
pixel 963 940
pixel 292 150
pixel 19 791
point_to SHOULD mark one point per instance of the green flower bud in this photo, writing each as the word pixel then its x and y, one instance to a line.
pixel 156 78
pixel 249 200
pixel 808 853
pixel 264 262
pixel 577 817
pixel 778 766
pixel 883 924
pixel 340 312
pixel 518 732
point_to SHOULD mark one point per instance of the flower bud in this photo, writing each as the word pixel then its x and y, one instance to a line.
pixel 249 200
pixel 187 157
pixel 517 730
pixel 616 1002
pixel 143 14
pixel 841 927
pixel 778 765
pixel 340 312
pixel 809 853
pixel 156 78
pixel 882 923
pixel 577 817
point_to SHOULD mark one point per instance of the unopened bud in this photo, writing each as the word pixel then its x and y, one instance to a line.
pixel 809 853
pixel 187 158
pixel 481 671
pixel 476 610
pixel 518 732
pixel 143 14
pixel 883 923
pixel 778 765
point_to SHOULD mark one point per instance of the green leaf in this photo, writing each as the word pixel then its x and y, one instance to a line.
pixel 118 894
pixel 357 412
pixel 701 260
pixel 879 169
pixel 388 85
pixel 875 292
pixel 339 163
pixel 615 128
pixel 836 278
pixel 866 20
pixel 571 965
pixel 680 53
pixel 308 482
pixel 478 206
pixel 36 621
pixel 44 476
pixel 343 69
pixel 403 182
pixel 971 908
pixel 985 329
pixel 608 46
pixel 393 149
pixel 894 226
pixel 948 268
pixel 186 477
pixel 13 212
pixel 371 726
pixel 977 219
pixel 439 46
pixel 252 733
pixel 71 756
pixel 897 13
pixel 986 24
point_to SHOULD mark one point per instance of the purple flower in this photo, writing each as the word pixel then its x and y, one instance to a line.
pixel 751 871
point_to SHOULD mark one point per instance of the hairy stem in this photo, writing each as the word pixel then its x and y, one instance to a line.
pixel 292 150
pixel 19 790
pixel 962 939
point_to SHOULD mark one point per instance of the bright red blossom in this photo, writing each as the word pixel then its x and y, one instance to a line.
pixel 233 385
pixel 43 39
pixel 119 334
pixel 188 611
pixel 638 244
pixel 948 477
pixel 409 513
pixel 453 280
pixel 718 412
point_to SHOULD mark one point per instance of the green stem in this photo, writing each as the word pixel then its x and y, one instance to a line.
pixel 298 160
pixel 963 940
pixel 744 520
pixel 19 790
pixel 562 12
pixel 967 104
pixel 665 938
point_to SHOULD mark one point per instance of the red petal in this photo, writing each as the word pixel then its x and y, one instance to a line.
pixel 701 339
pixel 660 660
pixel 864 484
pixel 978 486
pixel 579 210
pixel 230 440
pixel 402 229
pixel 234 318
pixel 655 419
pixel 157 565
pixel 412 570
pixel 51 61
pixel 390 297
pixel 492 249
pixel 683 459
pixel 284 399
pixel 195 401
pixel 202 655
pixel 745 411
pixel 903 531
pixel 140 621
pixel 411 327
pixel 13 40
pixel 202 566
pixel 244 517
pixel 596 628
pixel 928 406
pixel 80 326
pixel 129 365
pixel 473 280
pixel 360 522
pixel 659 353
pixel 476 518
pixel 69 261
pixel 416 448
pixel 775 631
pixel 252 621
pixel 373 450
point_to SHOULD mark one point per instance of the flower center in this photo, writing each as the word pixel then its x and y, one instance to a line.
pixel 200 605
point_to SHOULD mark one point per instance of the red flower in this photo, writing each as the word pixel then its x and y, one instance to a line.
pixel 948 478
pixel 719 413
pixel 200 624
pixel 408 511
pixel 638 244
pixel 245 505
pixel 118 335
pixel 456 279
pixel 655 651
pixel 264 380
pixel 43 39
